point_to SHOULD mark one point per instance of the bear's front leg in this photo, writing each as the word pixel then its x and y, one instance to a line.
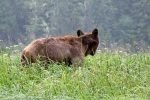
pixel 77 61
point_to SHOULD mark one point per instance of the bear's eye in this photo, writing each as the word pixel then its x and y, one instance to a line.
pixel 94 43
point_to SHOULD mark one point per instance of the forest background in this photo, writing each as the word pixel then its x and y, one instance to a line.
pixel 124 23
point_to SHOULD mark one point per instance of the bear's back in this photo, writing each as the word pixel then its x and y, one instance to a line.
pixel 62 47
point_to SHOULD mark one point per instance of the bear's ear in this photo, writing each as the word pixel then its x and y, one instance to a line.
pixel 95 32
pixel 79 33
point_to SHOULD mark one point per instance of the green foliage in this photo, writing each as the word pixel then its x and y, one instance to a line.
pixel 103 76
pixel 13 17
pixel 117 21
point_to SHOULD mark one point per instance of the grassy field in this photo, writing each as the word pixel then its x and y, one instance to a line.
pixel 105 76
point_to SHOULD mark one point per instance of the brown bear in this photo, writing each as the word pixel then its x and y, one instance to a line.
pixel 68 49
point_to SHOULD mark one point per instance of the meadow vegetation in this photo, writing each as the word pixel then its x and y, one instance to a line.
pixel 105 76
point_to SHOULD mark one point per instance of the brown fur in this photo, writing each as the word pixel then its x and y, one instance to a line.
pixel 70 49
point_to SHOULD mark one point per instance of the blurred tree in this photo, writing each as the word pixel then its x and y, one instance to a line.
pixel 118 21
pixel 13 17
pixel 121 21
pixel 68 16
pixel 102 15
pixel 141 15
pixel 40 20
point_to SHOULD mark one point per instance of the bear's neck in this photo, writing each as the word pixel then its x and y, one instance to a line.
pixel 84 47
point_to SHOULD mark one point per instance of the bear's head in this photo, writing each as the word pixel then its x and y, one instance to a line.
pixel 90 41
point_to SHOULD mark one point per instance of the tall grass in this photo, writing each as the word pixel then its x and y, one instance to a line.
pixel 104 76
